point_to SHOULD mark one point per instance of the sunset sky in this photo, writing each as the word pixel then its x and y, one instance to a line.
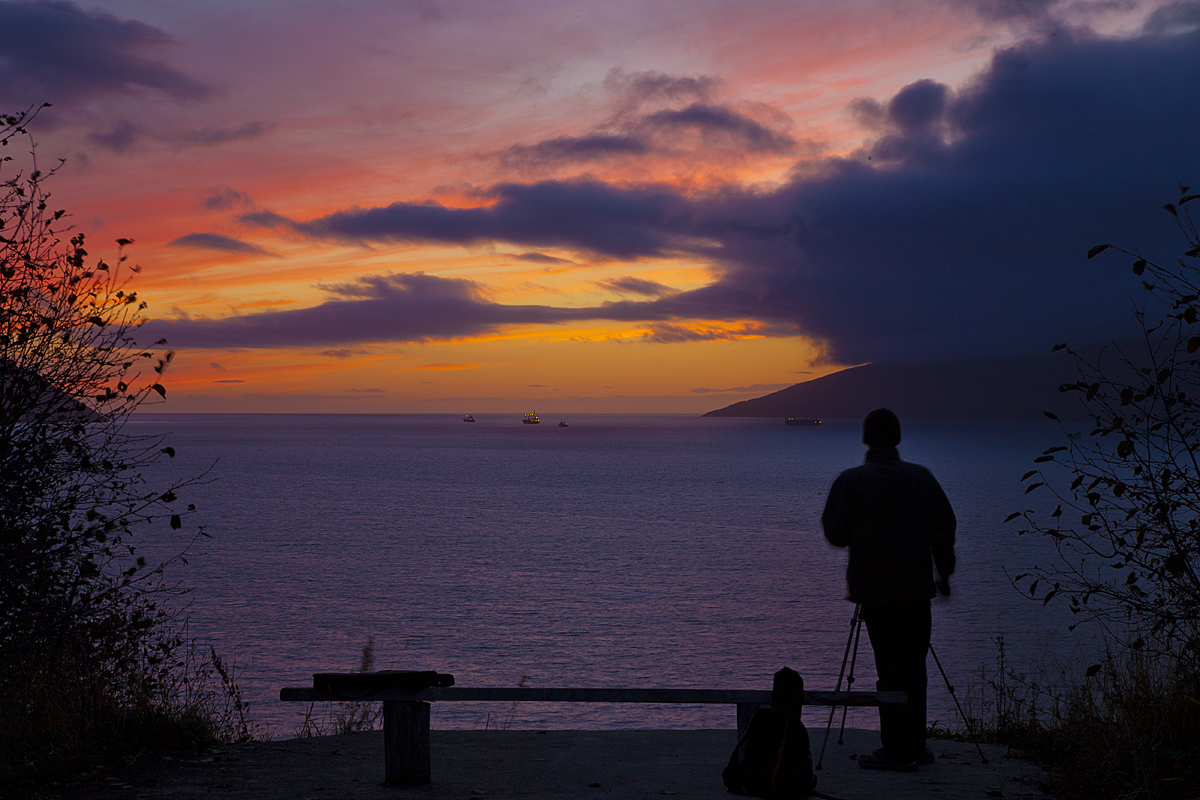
pixel 652 206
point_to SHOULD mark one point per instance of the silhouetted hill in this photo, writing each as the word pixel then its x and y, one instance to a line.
pixel 1002 388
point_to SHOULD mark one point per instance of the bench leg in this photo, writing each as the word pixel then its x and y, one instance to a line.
pixel 405 743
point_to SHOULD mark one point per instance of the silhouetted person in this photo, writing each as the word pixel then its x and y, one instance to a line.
pixel 898 524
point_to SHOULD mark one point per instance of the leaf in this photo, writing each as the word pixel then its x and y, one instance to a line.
pixel 1050 414
pixel 1043 459
pixel 1170 209
pixel 158 387
pixel 1033 486
pixel 1028 475
pixel 170 451
pixel 1097 250
pixel 176 522
pixel 168 497
pixel 1139 267
pixel 123 242
pixel 1012 516
pixel 1092 671
pixel 1058 347
pixel 1125 448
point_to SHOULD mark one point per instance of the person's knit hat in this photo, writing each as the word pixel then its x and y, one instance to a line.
pixel 881 428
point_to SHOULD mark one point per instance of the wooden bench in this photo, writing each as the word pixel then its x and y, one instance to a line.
pixel 406 714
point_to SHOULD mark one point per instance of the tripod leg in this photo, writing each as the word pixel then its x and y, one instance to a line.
pixel 850 679
pixel 838 688
pixel 966 721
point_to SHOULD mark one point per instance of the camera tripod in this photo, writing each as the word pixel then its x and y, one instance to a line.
pixel 851 656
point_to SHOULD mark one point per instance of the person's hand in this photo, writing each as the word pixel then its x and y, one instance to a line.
pixel 943 586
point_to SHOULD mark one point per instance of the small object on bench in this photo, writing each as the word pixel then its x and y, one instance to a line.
pixel 360 685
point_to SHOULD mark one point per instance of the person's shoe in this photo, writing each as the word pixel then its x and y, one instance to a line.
pixel 927 757
pixel 881 760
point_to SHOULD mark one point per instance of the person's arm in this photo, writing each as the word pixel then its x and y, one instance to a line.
pixel 944 525
pixel 835 520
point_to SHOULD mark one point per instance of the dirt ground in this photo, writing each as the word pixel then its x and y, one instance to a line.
pixel 540 765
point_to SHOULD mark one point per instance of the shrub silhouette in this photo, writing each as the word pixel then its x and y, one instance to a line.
pixel 88 644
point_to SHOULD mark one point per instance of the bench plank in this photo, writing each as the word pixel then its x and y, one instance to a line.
pixel 535 694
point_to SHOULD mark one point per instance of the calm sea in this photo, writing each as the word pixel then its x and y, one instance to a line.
pixel 619 551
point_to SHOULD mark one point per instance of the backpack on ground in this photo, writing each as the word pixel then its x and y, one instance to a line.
pixel 772 759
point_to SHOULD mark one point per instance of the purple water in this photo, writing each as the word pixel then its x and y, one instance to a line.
pixel 621 551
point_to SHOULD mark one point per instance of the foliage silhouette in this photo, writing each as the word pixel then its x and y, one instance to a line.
pixel 88 641
pixel 1127 519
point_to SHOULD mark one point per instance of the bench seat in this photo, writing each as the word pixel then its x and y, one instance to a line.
pixel 406 713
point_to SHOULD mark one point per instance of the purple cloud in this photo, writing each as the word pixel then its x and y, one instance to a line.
pixel 631 285
pixel 618 222
pixel 959 230
pixel 713 121
pixel 215 241
pixel 54 51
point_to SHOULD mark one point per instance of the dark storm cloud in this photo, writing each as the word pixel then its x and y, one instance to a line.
pixel 622 223
pixel 215 241
pixel 959 230
pixel 56 52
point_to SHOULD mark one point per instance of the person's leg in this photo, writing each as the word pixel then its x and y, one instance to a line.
pixel 918 626
pixel 899 637
pixel 891 666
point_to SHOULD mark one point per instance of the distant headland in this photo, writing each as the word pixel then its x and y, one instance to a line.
pixel 1019 388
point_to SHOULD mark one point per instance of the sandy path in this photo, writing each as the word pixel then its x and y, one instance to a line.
pixel 543 765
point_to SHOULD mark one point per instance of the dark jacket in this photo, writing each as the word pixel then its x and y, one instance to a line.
pixel 898 524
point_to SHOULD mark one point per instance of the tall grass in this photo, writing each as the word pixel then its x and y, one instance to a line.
pixel 344 717
pixel 71 714
pixel 1128 728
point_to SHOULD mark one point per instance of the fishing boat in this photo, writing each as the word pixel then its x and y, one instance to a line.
pixel 468 418
pixel 562 423
pixel 531 419
pixel 804 422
